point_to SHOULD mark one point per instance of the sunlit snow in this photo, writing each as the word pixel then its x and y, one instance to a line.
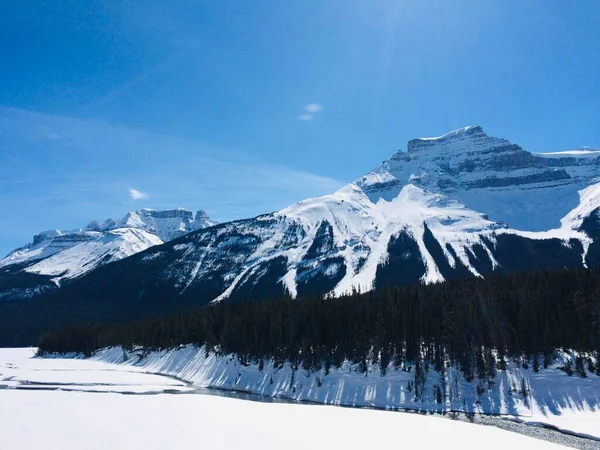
pixel 70 417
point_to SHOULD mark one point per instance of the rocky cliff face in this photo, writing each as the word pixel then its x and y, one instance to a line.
pixel 167 225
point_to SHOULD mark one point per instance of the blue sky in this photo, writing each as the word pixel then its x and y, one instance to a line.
pixel 242 107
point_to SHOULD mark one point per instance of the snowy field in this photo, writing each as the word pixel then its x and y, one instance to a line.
pixel 75 403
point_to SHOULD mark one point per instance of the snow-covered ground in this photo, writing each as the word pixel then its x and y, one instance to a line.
pixel 570 403
pixel 20 369
pixel 27 384
pixel 34 417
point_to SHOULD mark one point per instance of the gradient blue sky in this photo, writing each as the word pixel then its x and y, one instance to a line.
pixel 200 104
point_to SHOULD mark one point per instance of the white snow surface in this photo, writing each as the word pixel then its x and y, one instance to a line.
pixel 107 247
pixel 359 223
pixel 73 421
pixel 570 403
pixel 68 420
pixel 583 151
pixel 589 199
pixel 20 368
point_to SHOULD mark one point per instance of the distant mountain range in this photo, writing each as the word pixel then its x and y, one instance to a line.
pixel 62 254
pixel 459 205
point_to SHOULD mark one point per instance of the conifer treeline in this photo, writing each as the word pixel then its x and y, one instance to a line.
pixel 472 322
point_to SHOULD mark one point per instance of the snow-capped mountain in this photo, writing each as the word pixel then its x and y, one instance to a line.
pixel 68 254
pixel 462 204
pixel 166 225
pixel 528 191
pixel 457 205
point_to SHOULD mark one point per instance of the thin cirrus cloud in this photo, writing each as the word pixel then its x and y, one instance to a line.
pixel 137 195
pixel 310 111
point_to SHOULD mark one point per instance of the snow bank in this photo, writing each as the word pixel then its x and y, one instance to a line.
pixel 552 397
pixel 75 403
pixel 69 421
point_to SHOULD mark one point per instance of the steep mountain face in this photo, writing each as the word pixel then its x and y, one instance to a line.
pixel 68 254
pixel 528 191
pixel 463 204
pixel 166 225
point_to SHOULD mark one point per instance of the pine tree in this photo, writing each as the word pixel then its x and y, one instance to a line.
pixel 524 391
pixel 580 367
pixel 568 367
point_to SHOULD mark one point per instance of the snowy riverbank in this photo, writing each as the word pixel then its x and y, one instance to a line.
pixel 72 403
pixel 570 403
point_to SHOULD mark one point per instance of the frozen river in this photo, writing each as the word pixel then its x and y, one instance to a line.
pixel 72 404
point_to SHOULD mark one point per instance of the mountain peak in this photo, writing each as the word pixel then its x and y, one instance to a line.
pixel 490 174
pixel 449 139
pixel 202 220
pixel 201 214
pixel 181 213
pixel 157 226
pixel 166 224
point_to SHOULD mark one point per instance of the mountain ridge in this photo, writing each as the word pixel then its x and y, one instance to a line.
pixel 72 253
pixel 463 204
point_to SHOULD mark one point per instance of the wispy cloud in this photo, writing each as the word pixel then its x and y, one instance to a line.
pixel 310 111
pixel 313 108
pixel 137 195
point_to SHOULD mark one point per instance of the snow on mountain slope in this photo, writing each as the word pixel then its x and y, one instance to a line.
pixel 362 229
pixel 68 254
pixel 105 247
pixel 167 225
pixel 589 201
pixel 582 151
pixel 45 244
pixel 528 191
pixel 359 233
